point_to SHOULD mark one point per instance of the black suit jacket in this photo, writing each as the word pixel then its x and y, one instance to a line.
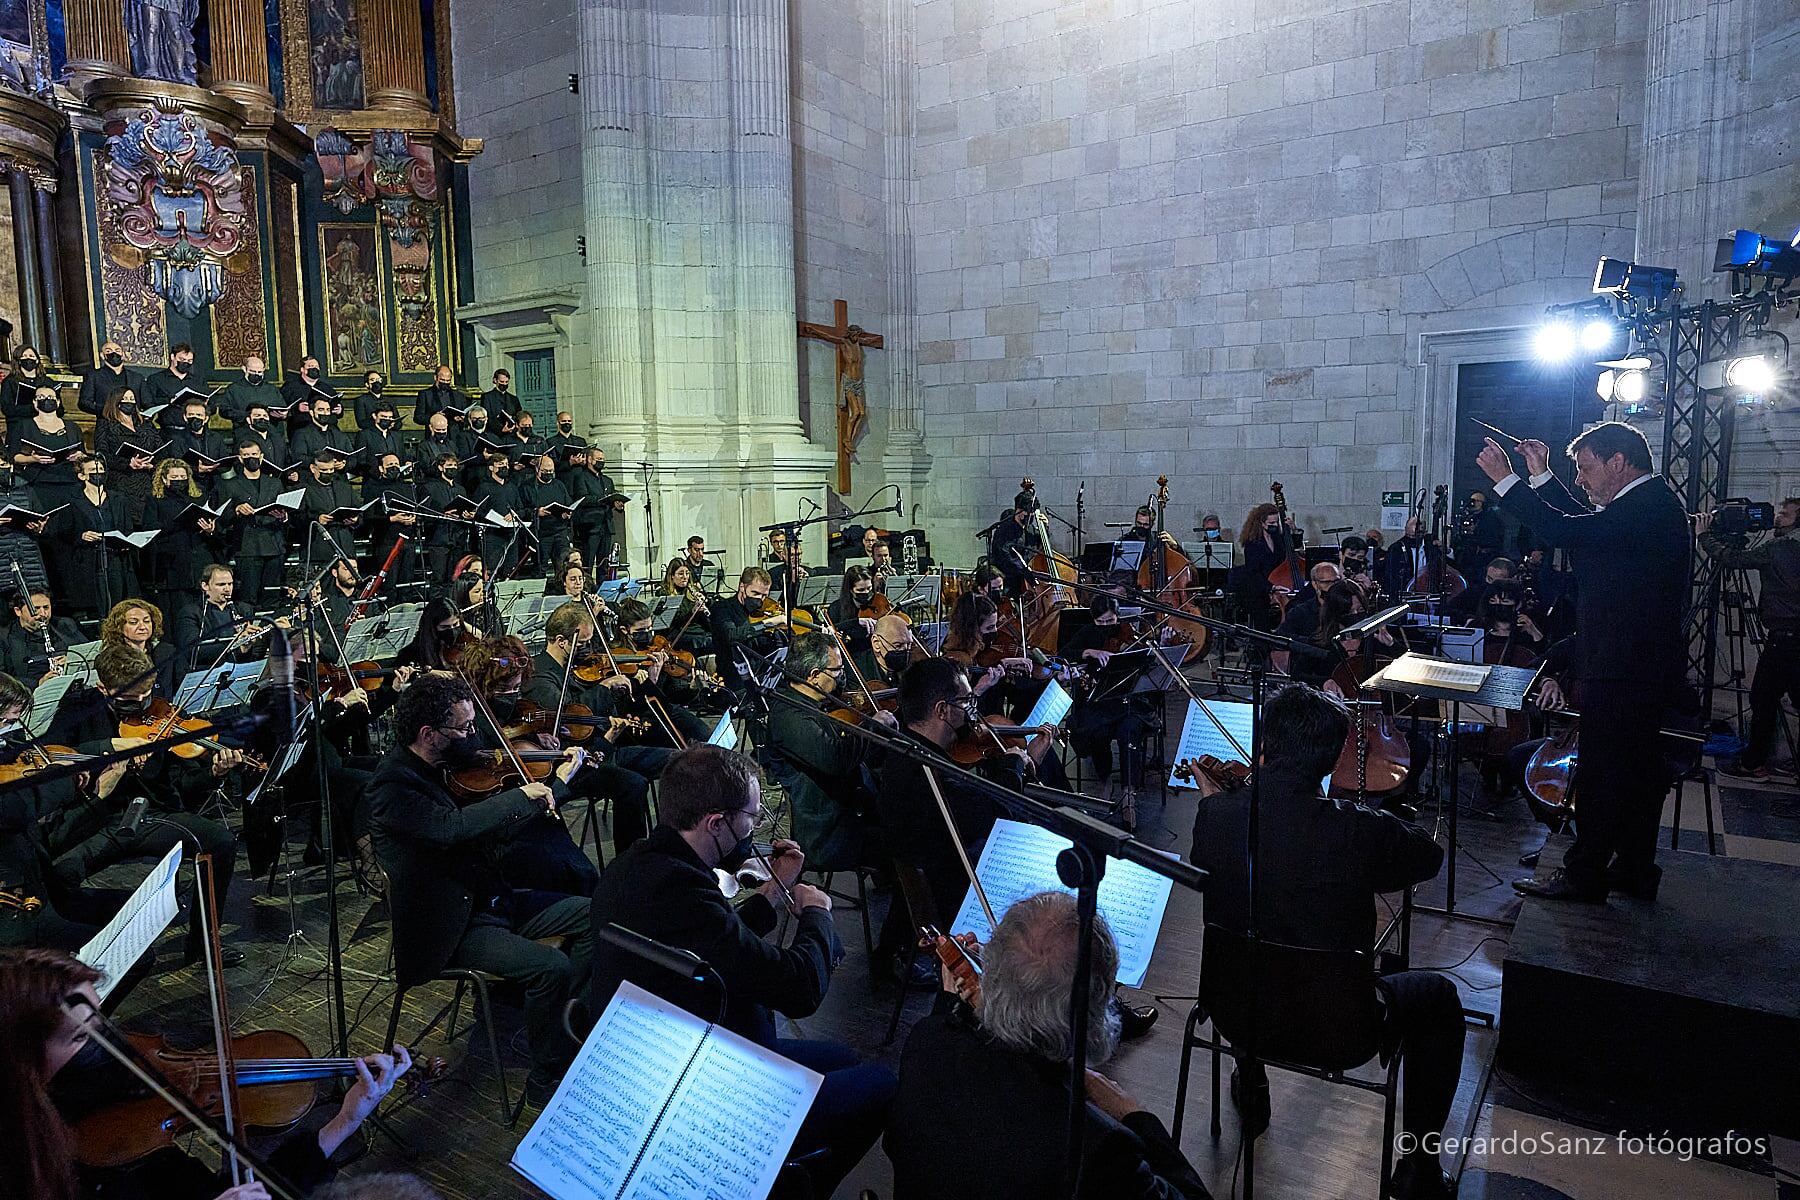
pixel 964 1096
pixel 1631 562
pixel 439 858
pixel 661 889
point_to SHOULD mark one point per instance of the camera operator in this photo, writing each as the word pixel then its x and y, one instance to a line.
pixel 1777 557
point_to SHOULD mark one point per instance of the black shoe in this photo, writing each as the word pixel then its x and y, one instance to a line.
pixel 1135 1020
pixel 1738 770
pixel 1254 1116
pixel 539 1089
pixel 1640 886
pixel 1559 887
pixel 1418 1177
pixel 229 956
pixel 1529 858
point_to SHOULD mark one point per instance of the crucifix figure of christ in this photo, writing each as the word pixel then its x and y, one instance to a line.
pixel 852 406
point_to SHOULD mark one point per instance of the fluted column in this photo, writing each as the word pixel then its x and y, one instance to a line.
pixel 906 427
pixel 25 258
pixel 762 197
pixel 393 54
pixel 56 348
pixel 240 52
pixel 95 30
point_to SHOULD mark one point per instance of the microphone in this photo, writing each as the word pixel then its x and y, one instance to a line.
pixel 134 814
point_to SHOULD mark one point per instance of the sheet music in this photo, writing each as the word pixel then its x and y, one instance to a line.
pixel 724 734
pixel 1019 860
pixel 44 700
pixel 655 1105
pixel 1053 704
pixel 1432 672
pixel 1200 736
pixel 137 925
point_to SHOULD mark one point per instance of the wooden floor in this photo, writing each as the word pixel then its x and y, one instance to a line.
pixel 1323 1141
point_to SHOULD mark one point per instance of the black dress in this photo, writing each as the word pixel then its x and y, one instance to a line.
pixel 55 482
pixel 131 487
pixel 91 576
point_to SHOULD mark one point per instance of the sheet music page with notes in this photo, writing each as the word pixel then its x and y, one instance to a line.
pixel 136 926
pixel 1019 860
pixel 655 1104
pixel 1053 704
pixel 1200 736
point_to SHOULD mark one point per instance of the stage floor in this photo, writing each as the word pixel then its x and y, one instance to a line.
pixel 1323 1139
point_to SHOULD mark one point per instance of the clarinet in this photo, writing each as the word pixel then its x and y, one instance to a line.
pixel 44 629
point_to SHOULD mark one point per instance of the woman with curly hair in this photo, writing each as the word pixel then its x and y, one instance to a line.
pixel 139 624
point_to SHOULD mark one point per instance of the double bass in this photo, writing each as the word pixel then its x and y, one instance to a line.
pixel 1288 579
pixel 1166 576
pixel 1043 615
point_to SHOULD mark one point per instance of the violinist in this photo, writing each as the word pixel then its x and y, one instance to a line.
pixel 693 617
pixel 974 627
pixel 39 992
pixel 569 579
pixel 1318 652
pixel 475 604
pixel 89 835
pixel 62 916
pixel 1110 712
pixel 258 540
pixel 988 1070
pixel 857 594
pixel 822 767
pixel 1353 561
pixel 988 580
pixel 1304 612
pixel 36 645
pixel 625 775
pixel 220 626
pixel 437 640
pixel 1322 864
pixel 636 629
pixel 665 888
pixel 732 626
pixel 536 854
pixel 451 905
pixel 139 624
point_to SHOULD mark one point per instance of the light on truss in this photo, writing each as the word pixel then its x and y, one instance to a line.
pixel 1745 375
pixel 1555 342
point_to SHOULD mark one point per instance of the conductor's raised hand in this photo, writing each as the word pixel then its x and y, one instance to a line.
pixel 1494 461
pixel 1536 455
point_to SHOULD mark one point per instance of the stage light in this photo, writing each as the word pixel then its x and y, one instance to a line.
pixel 1631 387
pixel 1555 342
pixel 1751 253
pixel 1597 335
pixel 1635 281
pixel 1744 375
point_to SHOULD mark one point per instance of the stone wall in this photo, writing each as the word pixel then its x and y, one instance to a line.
pixel 1208 240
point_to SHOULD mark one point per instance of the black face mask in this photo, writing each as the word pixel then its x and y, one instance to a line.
pixel 564 426
pixel 127 407
pixel 375 388
pixel 47 406
pixel 115 361
pixel 478 426
pixel 739 854
pixel 182 368
pixel 448 637
pixel 391 473
pixel 501 471
pixel 323 418
pixel 1353 565
pixel 252 465
pixel 28 366
pixel 98 478
pixel 310 373
pixel 129 706
pixel 500 387
pixel 462 752
pixel 259 423
pixel 504 704
pixel 643 639
pixel 196 423
pixel 543 478
pixel 862 598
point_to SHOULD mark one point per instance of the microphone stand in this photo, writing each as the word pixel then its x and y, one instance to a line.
pixel 1081 867
pixel 334 951
pixel 1080 517
pixel 650 555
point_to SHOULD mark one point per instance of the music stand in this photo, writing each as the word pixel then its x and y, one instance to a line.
pixel 817 591
pixel 1503 688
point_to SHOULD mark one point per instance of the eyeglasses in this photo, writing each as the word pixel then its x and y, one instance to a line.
pixel 461 731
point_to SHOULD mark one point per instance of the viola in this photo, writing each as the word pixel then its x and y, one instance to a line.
pixel 531 720
pixel 277 1075
pixel 959 954
pixel 1226 774
pixel 162 719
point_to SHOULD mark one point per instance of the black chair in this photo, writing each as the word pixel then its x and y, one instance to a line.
pixel 1695 773
pixel 1316 1013
pixel 915 893
pixel 465 978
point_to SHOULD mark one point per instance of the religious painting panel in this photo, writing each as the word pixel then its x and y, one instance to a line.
pixel 130 313
pixel 415 298
pixel 355 309
pixel 335 54
pixel 239 317
pixel 24 47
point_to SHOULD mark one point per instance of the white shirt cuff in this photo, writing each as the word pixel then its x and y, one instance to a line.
pixel 1501 488
pixel 1541 478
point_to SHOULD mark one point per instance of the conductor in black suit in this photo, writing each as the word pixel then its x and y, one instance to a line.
pixel 1631 554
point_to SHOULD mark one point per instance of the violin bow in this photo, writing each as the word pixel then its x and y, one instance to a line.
pixel 849 660
pixel 962 854
pixel 206 895
pixel 499 733
pixel 1204 707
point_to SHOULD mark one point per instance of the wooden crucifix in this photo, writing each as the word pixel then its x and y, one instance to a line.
pixel 852 406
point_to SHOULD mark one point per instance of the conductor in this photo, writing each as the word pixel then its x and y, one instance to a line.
pixel 1631 553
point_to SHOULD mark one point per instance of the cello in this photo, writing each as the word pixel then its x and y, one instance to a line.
pixel 1288 579
pixel 1166 576
pixel 1044 612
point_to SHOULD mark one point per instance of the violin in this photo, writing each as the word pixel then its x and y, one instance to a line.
pixel 803 620
pixel 960 955
pixel 162 718
pixel 369 675
pixel 276 1072
pixel 16 899
pixel 1227 775
pixel 988 738
pixel 495 770
pixel 532 720
pixel 39 758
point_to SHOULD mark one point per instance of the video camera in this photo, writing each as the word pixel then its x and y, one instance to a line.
pixel 1739 515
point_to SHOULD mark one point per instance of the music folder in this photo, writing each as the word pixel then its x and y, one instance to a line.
pixel 661 1105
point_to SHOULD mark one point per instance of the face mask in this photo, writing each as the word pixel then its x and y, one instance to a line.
pixel 500 386
pixel 740 852
pixel 462 752
pixel 546 478
pixel 863 598
pixel 643 639
pixel 97 478
pixel 564 426
pixel 503 704
pixel 449 637
pixel 28 365
pixel 127 407
pixel 501 470
pixel 129 706
pixel 252 465
pixel 1212 535
pixel 178 481
pixel 196 423
pixel 479 426
pixel 115 361
pixel 375 388
pixel 259 423
pixel 254 378
pixel 323 417
pixel 46 406
pixel 391 473
pixel 310 373
pixel 182 368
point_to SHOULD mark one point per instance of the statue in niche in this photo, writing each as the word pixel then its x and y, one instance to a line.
pixel 162 39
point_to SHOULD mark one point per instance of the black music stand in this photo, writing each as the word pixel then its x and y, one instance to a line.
pixel 1503 688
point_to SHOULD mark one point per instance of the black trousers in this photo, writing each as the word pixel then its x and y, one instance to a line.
pixel 1621 778
pixel 541 855
pixel 1094 727
pixel 507 946
pixel 258 579
pixel 1777 675
pixel 81 856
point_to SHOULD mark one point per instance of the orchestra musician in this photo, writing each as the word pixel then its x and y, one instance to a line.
pixel 1006 549
pixel 88 835
pixel 204 632
pixel 987 1067
pixel 654 680
pixel 1318 653
pixel 732 626
pixel 1321 864
pixel 139 624
pixel 35 646
pixel 1109 712
pixel 1415 551
pixel 569 579
pixel 974 624
pixel 856 593
pixel 451 905
pixel 470 597
pixel 881 559
pixel 1631 557
pixel 1264 540
pixel 823 768
pixel 1353 561
pixel 692 616
pixel 1463 607
pixel 1303 612
pixel 664 888
pixel 788 575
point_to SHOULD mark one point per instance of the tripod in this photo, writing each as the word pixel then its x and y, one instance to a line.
pixel 1742 626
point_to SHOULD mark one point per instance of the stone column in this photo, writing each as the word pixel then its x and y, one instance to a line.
pixel 56 349
pixel 762 198
pixel 25 258
pixel 240 53
pixel 393 54
pixel 97 45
